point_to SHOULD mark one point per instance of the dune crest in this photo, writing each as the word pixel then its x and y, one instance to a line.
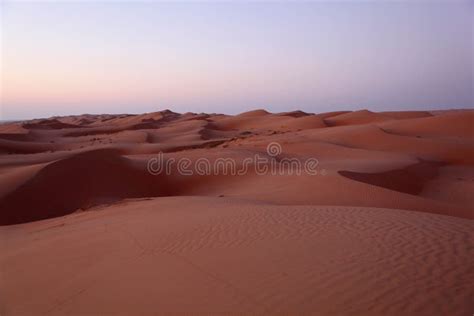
pixel 88 160
pixel 382 226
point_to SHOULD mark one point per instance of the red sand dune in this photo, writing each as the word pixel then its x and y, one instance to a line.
pixel 81 181
pixel 459 124
pixel 357 117
pixel 352 151
pixel 210 255
pixel 406 114
pixel 409 180
pixel 385 226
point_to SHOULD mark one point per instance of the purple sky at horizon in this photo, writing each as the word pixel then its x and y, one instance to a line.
pixel 60 58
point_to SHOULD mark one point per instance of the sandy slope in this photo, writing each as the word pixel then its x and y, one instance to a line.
pixel 385 227
pixel 83 161
pixel 219 255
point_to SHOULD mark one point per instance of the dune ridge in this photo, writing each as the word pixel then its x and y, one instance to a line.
pixel 89 160
pixel 384 227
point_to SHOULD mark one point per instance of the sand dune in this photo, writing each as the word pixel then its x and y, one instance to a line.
pixel 78 182
pixel 226 256
pixel 369 149
pixel 372 137
pixel 449 125
pixel 296 113
pixel 401 115
pixel 354 118
pixel 48 124
pixel 254 113
pixel 409 180
pixel 384 227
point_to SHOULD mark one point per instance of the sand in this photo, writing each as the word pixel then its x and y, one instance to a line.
pixel 384 227
pixel 204 255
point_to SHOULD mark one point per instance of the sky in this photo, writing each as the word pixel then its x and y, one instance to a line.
pixel 60 58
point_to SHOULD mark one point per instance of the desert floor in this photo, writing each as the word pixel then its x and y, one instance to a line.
pixel 383 226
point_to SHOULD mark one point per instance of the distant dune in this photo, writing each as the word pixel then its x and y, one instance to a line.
pixel 384 227
pixel 93 159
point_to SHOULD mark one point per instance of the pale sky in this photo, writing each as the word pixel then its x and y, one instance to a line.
pixel 60 58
